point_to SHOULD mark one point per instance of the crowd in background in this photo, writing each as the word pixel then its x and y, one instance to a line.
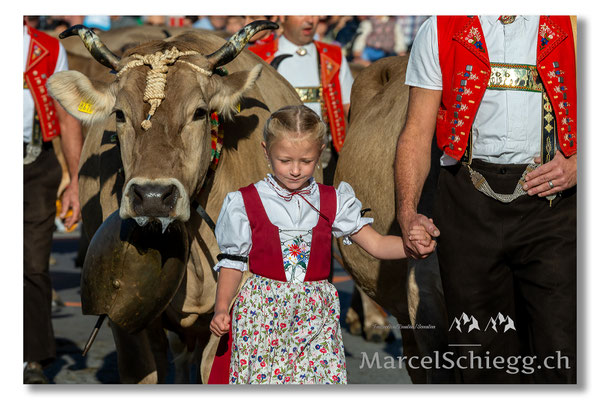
pixel 364 39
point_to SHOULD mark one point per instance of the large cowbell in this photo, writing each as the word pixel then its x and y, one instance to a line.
pixel 131 273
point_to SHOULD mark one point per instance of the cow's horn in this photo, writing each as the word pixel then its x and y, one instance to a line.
pixel 237 42
pixel 94 45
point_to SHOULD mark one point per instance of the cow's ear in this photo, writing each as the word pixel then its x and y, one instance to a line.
pixel 229 90
pixel 88 102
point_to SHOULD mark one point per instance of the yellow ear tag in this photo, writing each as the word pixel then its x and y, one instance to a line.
pixel 85 107
pixel 239 107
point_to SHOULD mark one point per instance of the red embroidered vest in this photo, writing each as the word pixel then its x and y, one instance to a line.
pixel 265 258
pixel 41 62
pixel 330 60
pixel 466 70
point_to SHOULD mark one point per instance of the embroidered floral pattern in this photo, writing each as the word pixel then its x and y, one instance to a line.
pixel 563 105
pixel 295 255
pixel 474 37
pixel 546 34
pixel 287 332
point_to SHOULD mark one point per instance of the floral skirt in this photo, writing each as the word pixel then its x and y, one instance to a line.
pixel 287 332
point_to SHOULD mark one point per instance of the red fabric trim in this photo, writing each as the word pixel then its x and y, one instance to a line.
pixel 319 264
pixel 219 372
pixel 265 258
pixel 331 62
pixel 41 62
pixel 266 51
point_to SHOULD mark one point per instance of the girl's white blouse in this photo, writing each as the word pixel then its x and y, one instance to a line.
pixel 294 218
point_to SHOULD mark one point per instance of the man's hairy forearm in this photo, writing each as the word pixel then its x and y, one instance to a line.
pixel 413 152
pixel 71 141
pixel 411 168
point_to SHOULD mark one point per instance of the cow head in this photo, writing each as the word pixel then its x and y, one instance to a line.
pixel 161 100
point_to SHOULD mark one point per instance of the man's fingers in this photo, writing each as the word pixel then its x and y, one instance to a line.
pixel 65 205
pixel 539 171
pixel 428 224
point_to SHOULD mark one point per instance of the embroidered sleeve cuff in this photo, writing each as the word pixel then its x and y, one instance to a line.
pixel 227 263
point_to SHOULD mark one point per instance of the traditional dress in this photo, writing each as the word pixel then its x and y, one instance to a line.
pixel 285 320
pixel 507 259
pixel 320 74
pixel 42 56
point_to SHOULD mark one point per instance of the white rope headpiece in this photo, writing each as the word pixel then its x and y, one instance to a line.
pixel 156 79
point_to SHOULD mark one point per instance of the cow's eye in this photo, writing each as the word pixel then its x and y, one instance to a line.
pixel 199 114
pixel 120 116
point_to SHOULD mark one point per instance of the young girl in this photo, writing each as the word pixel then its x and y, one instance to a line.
pixel 284 326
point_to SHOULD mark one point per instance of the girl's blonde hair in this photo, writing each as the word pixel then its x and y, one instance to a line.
pixel 294 123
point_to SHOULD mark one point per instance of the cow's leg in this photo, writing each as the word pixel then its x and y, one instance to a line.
pixel 134 355
pixel 375 324
pixel 426 308
pixel 183 358
pixel 159 346
pixel 187 346
pixel 202 340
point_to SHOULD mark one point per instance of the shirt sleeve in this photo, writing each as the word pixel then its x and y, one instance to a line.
pixel 233 232
pixel 348 220
pixel 423 69
pixel 400 41
pixel 346 81
pixel 62 63
pixel 364 28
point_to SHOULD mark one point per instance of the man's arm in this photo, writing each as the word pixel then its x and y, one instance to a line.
pixel 412 163
pixel 71 144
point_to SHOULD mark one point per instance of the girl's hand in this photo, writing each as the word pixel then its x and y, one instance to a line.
pixel 220 324
pixel 419 234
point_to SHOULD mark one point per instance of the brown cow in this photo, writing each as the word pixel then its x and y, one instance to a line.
pixel 164 150
pixel 413 295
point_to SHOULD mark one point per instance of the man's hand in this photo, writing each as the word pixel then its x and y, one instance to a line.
pixel 415 248
pixel 70 200
pixel 555 176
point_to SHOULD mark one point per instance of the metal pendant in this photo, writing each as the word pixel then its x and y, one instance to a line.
pixel 301 51
pixel 507 19
pixel 31 153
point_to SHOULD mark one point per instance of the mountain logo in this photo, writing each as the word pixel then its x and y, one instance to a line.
pixel 465 321
pixel 501 323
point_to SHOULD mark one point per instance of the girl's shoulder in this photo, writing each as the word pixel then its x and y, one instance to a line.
pixel 344 189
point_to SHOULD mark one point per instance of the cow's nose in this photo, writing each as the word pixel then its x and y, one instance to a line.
pixel 153 200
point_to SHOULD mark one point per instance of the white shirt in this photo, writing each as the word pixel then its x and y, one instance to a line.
pixel 294 218
pixel 303 71
pixel 507 127
pixel 28 104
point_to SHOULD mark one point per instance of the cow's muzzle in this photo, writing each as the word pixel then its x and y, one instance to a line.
pixel 164 200
pixel 153 200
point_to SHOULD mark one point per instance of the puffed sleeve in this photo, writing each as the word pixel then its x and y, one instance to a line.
pixel 233 232
pixel 348 220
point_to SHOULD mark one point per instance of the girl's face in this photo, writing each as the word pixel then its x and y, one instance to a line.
pixel 293 162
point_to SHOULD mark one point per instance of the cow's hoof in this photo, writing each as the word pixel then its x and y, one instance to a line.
pixel 353 322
